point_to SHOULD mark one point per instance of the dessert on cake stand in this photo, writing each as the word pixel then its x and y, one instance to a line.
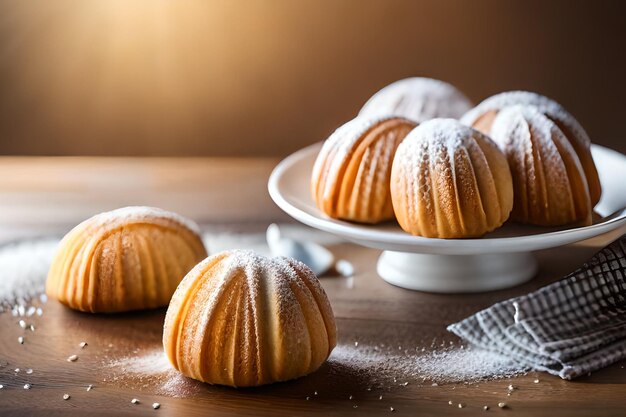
pixel 500 259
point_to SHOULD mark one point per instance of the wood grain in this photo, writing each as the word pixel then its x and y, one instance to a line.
pixel 369 311
pixel 40 195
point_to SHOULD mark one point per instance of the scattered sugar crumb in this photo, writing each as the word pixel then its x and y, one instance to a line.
pixel 446 365
pixel 153 368
pixel 465 365
pixel 23 271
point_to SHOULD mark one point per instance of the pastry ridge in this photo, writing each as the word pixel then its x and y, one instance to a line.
pixel 549 180
pixel 350 178
pixel 126 259
pixel 241 319
pixel 482 116
pixel 450 181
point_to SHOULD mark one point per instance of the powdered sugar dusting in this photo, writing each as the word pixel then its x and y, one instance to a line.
pixel 530 139
pixel 151 363
pixel 456 364
pixel 443 365
pixel 433 144
pixel 24 268
pixel 383 366
pixel 350 178
pixel 338 149
pixel 154 370
pixel 283 301
pixel 134 214
pixel 439 134
pixel 417 99
pixel 544 104
pixel 507 132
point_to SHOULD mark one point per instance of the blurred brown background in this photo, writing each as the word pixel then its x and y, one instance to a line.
pixel 254 77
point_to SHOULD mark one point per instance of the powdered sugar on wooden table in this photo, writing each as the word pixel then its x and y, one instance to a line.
pixel 23 269
pixel 151 369
pixel 457 364
pixel 441 365
pixel 384 366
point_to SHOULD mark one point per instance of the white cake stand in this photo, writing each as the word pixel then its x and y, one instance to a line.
pixel 498 260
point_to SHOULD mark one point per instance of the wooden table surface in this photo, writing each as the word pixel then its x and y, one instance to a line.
pixel 47 195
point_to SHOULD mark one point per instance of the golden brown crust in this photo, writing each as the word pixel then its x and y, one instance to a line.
pixel 549 181
pixel 482 117
pixel 450 181
pixel 350 179
pixel 583 151
pixel 127 259
pixel 243 320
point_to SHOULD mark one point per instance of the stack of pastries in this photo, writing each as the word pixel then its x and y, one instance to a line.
pixel 411 154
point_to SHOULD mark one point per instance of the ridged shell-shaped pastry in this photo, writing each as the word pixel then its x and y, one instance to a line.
pixel 482 116
pixel 417 99
pixel 450 181
pixel 549 182
pixel 127 259
pixel 244 320
pixel 350 178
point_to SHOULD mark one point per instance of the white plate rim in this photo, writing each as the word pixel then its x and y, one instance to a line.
pixel 369 236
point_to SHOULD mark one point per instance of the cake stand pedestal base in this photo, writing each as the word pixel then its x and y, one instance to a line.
pixel 456 273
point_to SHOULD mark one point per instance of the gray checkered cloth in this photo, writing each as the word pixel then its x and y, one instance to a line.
pixel 569 328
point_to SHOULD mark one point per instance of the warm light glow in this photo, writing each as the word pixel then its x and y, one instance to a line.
pixel 266 77
pixel 120 65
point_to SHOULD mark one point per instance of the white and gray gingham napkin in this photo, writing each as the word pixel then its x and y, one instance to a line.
pixel 569 328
